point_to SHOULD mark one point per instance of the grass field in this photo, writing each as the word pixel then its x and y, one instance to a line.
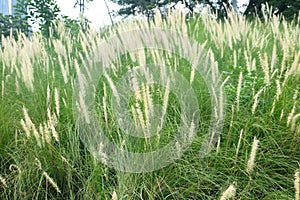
pixel 257 155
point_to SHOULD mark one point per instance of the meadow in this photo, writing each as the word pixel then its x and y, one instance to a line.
pixel 256 155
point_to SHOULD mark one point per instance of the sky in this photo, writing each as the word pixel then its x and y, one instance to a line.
pixel 95 11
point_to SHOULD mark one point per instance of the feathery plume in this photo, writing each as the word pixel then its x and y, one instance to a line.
pixel 56 97
pixel 293 121
pixel 157 18
pixel 251 161
pixel 274 58
pixel 192 75
pixel 112 87
pixel 25 128
pixel 51 181
pixel 255 104
pixel 281 114
pixel 146 106
pixel 3 181
pixel 46 134
pixel 238 92
pixel 229 192
pixel 48 96
pixel 54 133
pixel 114 196
pixel 38 163
pixel 36 135
pixel 29 126
pixel 101 154
pixel 291 114
pixel 165 103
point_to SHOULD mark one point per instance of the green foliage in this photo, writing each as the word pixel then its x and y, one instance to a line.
pixel 10 25
pixel 147 7
pixel 288 8
pixel 237 46
pixel 43 13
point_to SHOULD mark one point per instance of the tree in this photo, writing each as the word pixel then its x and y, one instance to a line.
pixel 43 13
pixel 10 25
pixel 288 8
pixel 39 12
pixel 81 4
pixel 147 7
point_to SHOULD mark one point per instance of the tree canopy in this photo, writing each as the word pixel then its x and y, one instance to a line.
pixel 40 13
pixel 11 24
pixel 43 13
pixel 288 8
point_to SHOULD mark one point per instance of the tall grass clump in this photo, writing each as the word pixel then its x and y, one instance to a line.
pixel 43 157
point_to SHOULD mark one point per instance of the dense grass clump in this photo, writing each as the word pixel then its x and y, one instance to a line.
pixel 257 155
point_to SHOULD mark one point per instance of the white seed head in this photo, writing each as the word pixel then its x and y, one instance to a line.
pixel 251 161
pixel 229 193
